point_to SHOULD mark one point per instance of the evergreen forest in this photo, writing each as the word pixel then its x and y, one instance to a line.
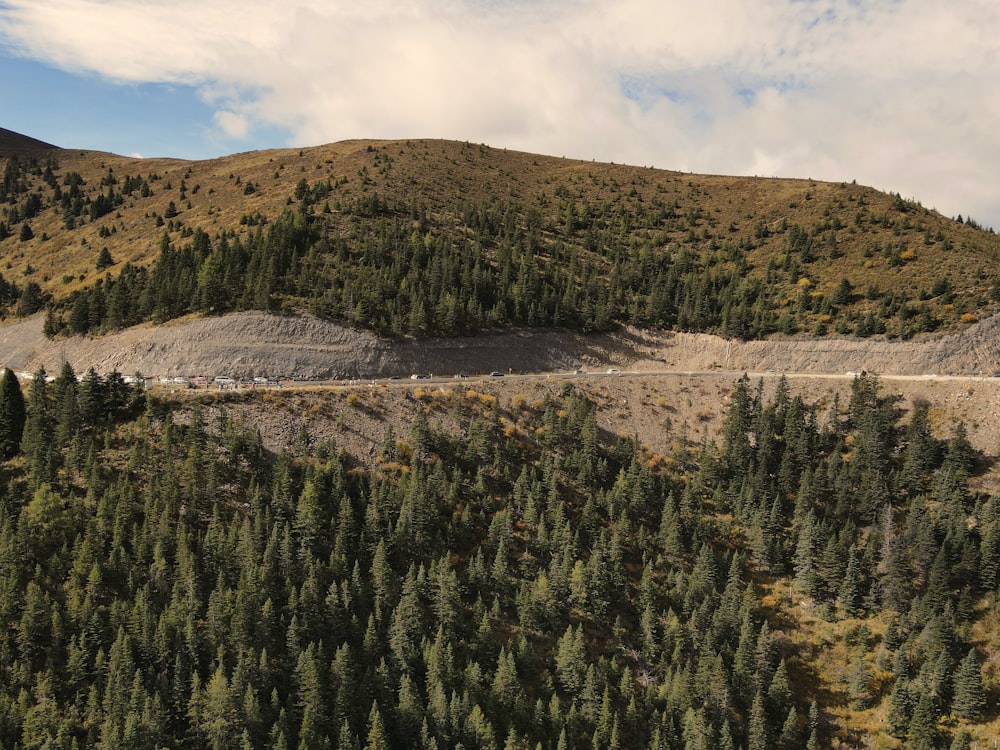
pixel 526 580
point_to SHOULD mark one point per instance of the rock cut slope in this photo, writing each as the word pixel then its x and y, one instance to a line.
pixel 258 343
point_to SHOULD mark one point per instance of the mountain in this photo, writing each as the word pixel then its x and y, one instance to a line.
pixel 422 238
pixel 680 557
pixel 12 143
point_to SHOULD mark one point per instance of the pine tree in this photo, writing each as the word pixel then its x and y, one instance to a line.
pixel 989 556
pixel 39 432
pixel 850 587
pixel 757 732
pixel 378 739
pixel 104 259
pixel 570 659
pixel 922 733
pixel 219 719
pixel 900 707
pixel 969 699
pixel 791 731
pixel 12 414
pixel 779 695
pixel 859 687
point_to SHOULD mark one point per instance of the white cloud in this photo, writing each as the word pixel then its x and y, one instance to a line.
pixel 233 124
pixel 895 93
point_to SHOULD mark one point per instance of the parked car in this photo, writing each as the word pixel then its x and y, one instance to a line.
pixel 419 376
pixel 496 374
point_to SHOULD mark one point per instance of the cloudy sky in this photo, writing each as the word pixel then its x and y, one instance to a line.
pixel 898 94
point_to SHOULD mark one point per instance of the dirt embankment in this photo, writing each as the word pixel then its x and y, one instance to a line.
pixel 262 344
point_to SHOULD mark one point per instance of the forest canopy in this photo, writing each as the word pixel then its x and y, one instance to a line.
pixel 527 580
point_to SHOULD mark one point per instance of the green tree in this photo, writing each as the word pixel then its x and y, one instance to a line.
pixel 378 738
pixel 922 733
pixel 859 685
pixel 39 430
pixel 900 707
pixel 969 695
pixel 12 414
pixel 758 736
pixel 219 717
pixel 570 659
pixel 104 259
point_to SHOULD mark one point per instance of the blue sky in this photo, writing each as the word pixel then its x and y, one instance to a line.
pixel 898 94
pixel 87 111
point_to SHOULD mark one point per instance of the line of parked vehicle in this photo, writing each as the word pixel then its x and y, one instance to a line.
pixel 457 376
pixel 226 382
pixel 223 382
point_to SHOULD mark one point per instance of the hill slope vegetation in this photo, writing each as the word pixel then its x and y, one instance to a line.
pixel 498 574
pixel 495 569
pixel 442 238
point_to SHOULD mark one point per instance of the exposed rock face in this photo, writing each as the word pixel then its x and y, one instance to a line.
pixel 262 344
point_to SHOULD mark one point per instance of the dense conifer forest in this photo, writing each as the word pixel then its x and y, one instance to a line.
pixel 525 581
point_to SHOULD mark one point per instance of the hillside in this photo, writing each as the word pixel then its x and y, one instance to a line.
pixel 669 557
pixel 15 144
pixel 434 237
pixel 493 568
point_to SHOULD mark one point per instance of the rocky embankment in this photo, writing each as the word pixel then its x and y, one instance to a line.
pixel 262 344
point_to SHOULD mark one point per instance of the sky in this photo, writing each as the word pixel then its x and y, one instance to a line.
pixel 901 95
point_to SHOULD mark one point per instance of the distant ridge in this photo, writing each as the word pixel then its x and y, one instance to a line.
pixel 12 143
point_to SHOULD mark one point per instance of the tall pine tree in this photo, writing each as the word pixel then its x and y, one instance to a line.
pixel 12 414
